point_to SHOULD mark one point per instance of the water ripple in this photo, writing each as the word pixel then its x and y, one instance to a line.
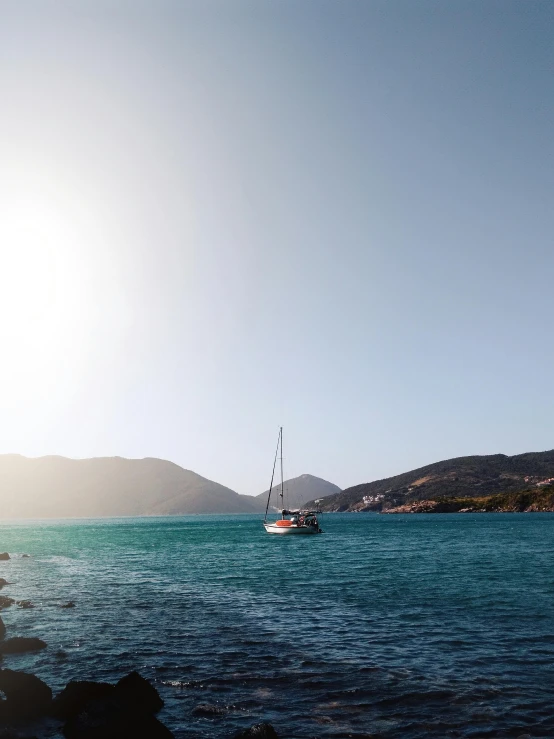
pixel 411 626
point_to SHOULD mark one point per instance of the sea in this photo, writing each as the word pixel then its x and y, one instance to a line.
pixel 385 626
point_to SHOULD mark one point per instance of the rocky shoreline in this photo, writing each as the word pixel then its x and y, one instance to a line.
pixel 84 709
pixel 524 502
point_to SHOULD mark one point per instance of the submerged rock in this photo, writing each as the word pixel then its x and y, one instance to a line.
pixel 135 692
pixel 4 555
pixel 24 604
pixel 27 696
pixel 19 644
pixel 258 731
pixel 6 602
pixel 77 694
pixel 69 604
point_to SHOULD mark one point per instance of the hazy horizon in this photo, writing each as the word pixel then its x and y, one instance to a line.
pixel 276 482
pixel 223 217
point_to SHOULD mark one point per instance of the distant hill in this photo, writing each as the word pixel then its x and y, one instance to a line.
pixel 462 477
pixel 54 487
pixel 299 490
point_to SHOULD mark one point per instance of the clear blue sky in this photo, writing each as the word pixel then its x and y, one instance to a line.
pixel 220 217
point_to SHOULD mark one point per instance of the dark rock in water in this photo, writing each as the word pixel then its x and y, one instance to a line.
pixel 137 694
pixel 2 629
pixel 11 734
pixel 60 655
pixel 69 604
pixel 3 582
pixel 76 695
pixel 4 555
pixel 108 720
pixel 25 556
pixel 6 602
pixel 104 711
pixel 258 731
pixel 27 696
pixel 19 644
pixel 24 604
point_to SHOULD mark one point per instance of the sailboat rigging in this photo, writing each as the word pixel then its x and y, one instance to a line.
pixel 291 522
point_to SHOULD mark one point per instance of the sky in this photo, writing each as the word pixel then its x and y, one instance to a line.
pixel 217 218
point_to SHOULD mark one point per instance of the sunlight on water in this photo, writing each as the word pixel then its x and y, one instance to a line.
pixel 409 626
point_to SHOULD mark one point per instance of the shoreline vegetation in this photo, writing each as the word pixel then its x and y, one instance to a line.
pixel 526 501
pixel 83 709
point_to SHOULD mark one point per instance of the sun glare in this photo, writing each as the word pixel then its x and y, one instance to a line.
pixel 39 291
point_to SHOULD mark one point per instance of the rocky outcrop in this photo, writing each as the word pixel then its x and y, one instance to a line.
pixel 107 720
pixel 419 506
pixel 20 644
pixel 2 629
pixel 76 695
pixel 90 710
pixel 26 695
pixel 258 731
pixel 24 604
pixel 525 501
pixel 6 602
pixel 137 694
pixel 103 711
pixel 4 555
pixel 3 582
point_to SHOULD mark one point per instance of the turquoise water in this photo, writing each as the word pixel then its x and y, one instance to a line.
pixel 386 626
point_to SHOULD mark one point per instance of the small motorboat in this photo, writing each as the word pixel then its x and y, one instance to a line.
pixel 291 522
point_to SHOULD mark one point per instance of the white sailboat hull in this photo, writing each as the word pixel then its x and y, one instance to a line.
pixel 290 530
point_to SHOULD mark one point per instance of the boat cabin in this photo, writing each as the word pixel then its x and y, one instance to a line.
pixel 299 519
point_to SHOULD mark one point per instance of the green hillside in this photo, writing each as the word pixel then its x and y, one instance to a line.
pixel 462 477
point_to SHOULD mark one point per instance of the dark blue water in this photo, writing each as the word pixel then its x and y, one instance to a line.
pixel 386 626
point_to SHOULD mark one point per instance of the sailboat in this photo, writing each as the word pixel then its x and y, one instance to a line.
pixel 291 522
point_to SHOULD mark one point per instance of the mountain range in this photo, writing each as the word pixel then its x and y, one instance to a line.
pixel 52 487
pixel 58 487
pixel 461 477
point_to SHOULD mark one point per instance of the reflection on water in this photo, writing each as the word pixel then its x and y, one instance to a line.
pixel 412 626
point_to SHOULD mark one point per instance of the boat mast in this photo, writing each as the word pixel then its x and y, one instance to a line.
pixel 273 474
pixel 282 482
